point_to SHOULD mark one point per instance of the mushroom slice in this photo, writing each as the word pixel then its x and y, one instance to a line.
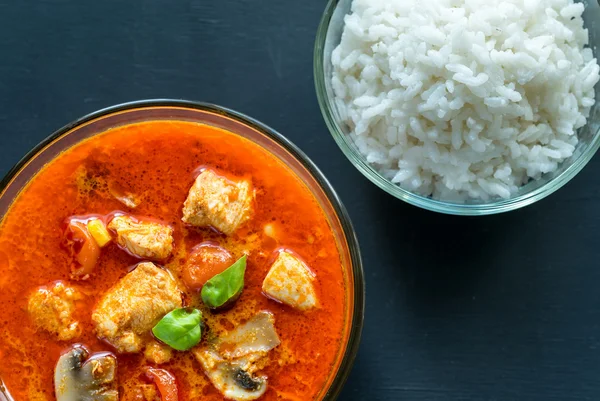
pixel 232 363
pixel 256 335
pixel 231 377
pixel 79 378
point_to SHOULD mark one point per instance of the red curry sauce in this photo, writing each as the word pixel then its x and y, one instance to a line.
pixel 157 162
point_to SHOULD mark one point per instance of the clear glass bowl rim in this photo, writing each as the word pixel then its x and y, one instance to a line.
pixel 359 290
pixel 326 105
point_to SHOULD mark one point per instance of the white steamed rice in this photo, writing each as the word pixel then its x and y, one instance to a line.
pixel 464 99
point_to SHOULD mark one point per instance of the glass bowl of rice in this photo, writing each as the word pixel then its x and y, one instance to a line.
pixel 455 124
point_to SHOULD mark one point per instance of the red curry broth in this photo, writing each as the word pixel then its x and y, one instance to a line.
pixel 157 162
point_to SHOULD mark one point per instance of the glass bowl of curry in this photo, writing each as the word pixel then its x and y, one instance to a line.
pixel 172 250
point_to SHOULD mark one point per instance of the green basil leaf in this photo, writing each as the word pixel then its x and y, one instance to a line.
pixel 225 286
pixel 180 328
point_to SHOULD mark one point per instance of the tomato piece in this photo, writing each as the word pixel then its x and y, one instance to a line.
pixel 204 262
pixel 165 382
pixel 83 248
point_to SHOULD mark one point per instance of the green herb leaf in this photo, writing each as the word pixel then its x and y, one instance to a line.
pixel 225 286
pixel 180 328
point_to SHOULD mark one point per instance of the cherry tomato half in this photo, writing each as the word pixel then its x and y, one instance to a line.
pixel 204 262
pixel 82 247
pixel 165 383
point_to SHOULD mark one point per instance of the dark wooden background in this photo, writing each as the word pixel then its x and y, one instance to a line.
pixel 496 308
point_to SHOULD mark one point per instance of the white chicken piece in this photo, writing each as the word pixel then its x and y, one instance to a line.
pixel 291 282
pixel 232 362
pixel 144 239
pixel 51 309
pixel 133 306
pixel 218 202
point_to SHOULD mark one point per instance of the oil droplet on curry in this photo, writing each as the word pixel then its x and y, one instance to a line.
pixel 129 226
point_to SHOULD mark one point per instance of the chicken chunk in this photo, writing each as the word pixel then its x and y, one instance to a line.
pixel 51 309
pixel 290 281
pixel 129 310
pixel 218 202
pixel 144 239
pixel 158 353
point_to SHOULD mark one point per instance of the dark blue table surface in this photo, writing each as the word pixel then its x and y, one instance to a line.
pixel 496 308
